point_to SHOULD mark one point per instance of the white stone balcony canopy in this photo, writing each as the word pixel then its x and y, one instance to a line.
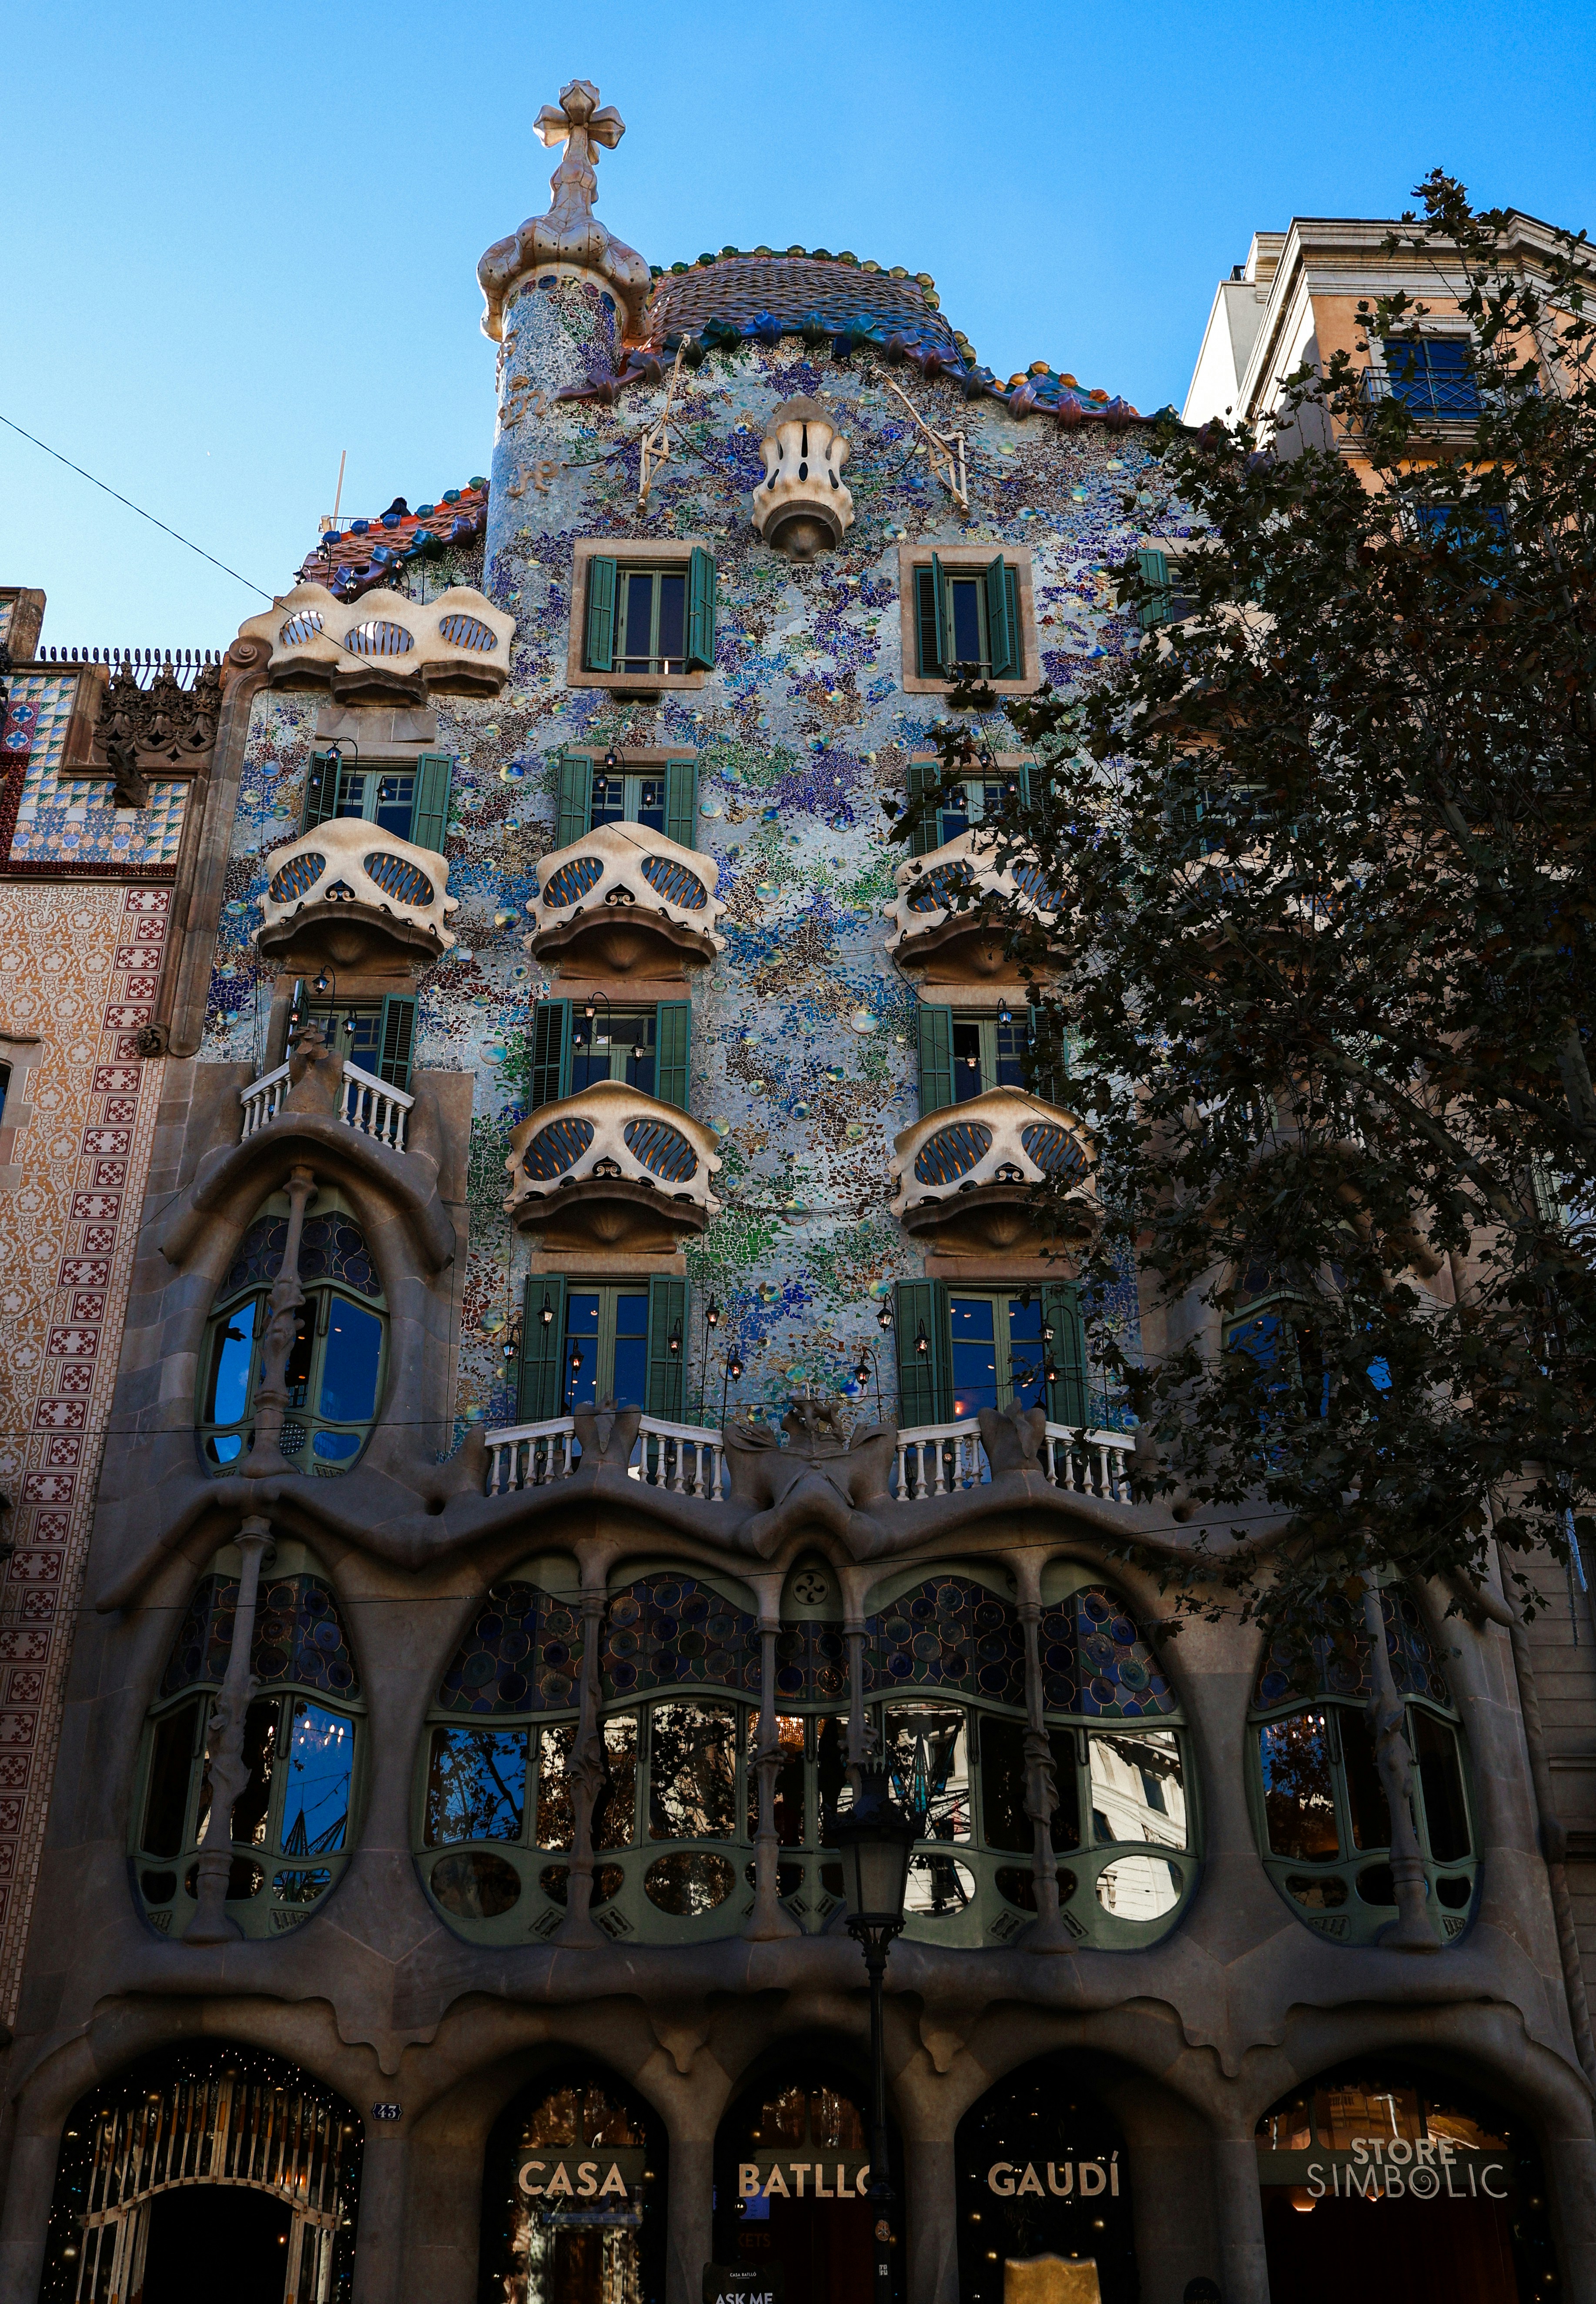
pixel 347 891
pixel 954 908
pixel 385 644
pixel 623 900
pixel 964 1176
pixel 802 507
pixel 612 1168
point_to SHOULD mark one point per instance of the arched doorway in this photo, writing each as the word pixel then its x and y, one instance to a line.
pixel 1420 2191
pixel 792 2165
pixel 573 2197
pixel 205 2165
pixel 1042 2170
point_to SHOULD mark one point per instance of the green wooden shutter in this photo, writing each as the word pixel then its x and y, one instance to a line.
pixel 936 1059
pixel 924 777
pixel 999 623
pixel 1026 786
pixel 1042 1079
pixel 598 643
pixel 672 1050
pixel 928 624
pixel 701 612
pixel 681 802
pixel 925 1378
pixel 550 1053
pixel 1155 570
pixel 396 1040
pixel 1066 1394
pixel 667 1370
pixel 321 791
pixel 538 1371
pixel 1016 632
pixel 575 820
pixel 435 771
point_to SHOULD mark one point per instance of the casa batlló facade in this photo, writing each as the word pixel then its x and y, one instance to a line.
pixel 590 1382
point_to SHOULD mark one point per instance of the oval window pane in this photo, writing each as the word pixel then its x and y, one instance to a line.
pixel 475 1887
pixel 938 1886
pixel 688 1882
pixel 1139 1887
pixel 230 1368
pixel 351 1362
pixel 321 1758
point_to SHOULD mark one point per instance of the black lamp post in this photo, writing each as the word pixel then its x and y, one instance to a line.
pixel 875 1841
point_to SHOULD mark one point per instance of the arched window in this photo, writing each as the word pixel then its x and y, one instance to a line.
pixel 292 1826
pixel 945 1671
pixel 335 1366
pixel 678 1678
pixel 573 2195
pixel 1324 1827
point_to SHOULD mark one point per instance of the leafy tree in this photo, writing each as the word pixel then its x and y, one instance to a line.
pixel 1324 960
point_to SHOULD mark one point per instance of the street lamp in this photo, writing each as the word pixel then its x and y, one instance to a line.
pixel 875 1841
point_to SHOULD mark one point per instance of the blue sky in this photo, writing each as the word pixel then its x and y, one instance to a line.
pixel 239 241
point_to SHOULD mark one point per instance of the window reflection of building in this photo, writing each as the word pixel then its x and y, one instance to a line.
pixel 291 1823
pixel 553 2234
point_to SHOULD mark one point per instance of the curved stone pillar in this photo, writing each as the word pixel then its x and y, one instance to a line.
pixel 1238 2208
pixel 931 2215
pixel 690 2237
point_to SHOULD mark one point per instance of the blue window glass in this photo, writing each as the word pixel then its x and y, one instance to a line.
pixel 395 808
pixel 651 803
pixel 321 1760
pixel 609 799
pixel 974 1356
pixel 638 608
pixel 968 1067
pixel 1027 1353
pixel 475 1784
pixel 1432 375
pixel 351 1362
pixel 966 604
pixel 630 1387
pixel 674 619
pixel 230 1367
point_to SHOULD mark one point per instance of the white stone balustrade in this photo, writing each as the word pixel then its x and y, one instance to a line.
pixel 349 869
pixel 685 1460
pixel 623 900
pixel 459 641
pixel 364 1103
pixel 966 1173
pixel 941 1460
pixel 954 907
pixel 612 1167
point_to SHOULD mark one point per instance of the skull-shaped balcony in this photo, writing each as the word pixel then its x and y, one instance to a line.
pixel 612 1168
pixel 623 900
pixel 801 508
pixel 955 907
pixel 351 893
pixel 967 1176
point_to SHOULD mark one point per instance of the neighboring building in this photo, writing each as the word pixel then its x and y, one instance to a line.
pixel 590 1373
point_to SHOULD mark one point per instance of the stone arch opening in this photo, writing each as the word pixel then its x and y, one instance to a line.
pixel 1041 2169
pixel 574 2193
pixel 1423 2189
pixel 205 2166
pixel 791 2168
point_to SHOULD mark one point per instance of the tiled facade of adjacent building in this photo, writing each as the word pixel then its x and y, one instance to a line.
pixel 590 1382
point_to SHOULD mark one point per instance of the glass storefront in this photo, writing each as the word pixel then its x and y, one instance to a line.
pixel 792 2168
pixel 574 2196
pixel 1041 2171
pixel 1416 2190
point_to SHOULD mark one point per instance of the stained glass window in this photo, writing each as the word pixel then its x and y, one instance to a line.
pixel 947 1632
pixel 811 1664
pixel 1096 1664
pixel 668 1628
pixel 299 1636
pixel 523 1654
pixel 259 1258
pixel 1335 1658
pixel 334 1248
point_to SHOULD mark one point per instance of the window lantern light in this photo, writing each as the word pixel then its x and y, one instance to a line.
pixel 884 1318
pixel 547 1314
pixel 734 1367
pixel 922 1340
pixel 863 1370
pixel 611 762
pixel 673 1344
pixel 1005 1014
pixel 1050 1370
pixel 711 1313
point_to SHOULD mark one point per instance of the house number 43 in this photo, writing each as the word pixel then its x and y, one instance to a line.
pixel 387 2112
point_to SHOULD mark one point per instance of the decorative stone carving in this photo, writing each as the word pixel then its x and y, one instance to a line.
pixel 966 1175
pixel 954 907
pixel 623 900
pixel 827 1475
pixel 143 732
pixel 802 508
pixel 569 237
pixel 385 646
pixel 347 891
pixel 612 1168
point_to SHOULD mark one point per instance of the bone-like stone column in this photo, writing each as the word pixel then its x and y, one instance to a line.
pixel 1048 1932
pixel 229 1775
pixel 1413 1930
pixel 587 1772
pixel 769 1919
pixel 1244 2278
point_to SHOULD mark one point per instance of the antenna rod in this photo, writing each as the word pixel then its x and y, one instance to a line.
pixel 338 497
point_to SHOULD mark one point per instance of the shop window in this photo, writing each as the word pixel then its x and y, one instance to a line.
pixel 967 621
pixel 573 2206
pixel 292 1826
pixel 791 2169
pixel 1324 1825
pixel 945 1674
pixel 645 618
pixel 573 1043
pixel 162 2169
pixel 336 1364
pixel 1432 375
pixel 679 1675
pixel 409 800
pixel 961 1349
pixel 662 796
pixel 1463 2201
pixel 1041 2170
pixel 582 1344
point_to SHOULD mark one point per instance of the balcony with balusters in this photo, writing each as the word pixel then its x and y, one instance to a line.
pixel 351 892
pixel 955 907
pixel 612 1168
pixel 967 1176
pixel 624 900
pixel 369 1105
